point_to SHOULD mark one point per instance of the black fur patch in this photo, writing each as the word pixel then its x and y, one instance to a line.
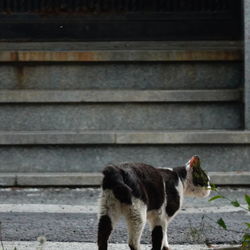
pixel 173 199
pixel 104 231
pixel 181 172
pixel 131 247
pixel 114 180
pixel 140 180
pixel 200 178
pixel 157 237
pixel 165 248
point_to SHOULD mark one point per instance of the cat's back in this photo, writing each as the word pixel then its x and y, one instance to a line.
pixel 144 181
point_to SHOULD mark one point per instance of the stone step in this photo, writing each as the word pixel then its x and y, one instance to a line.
pixel 122 75
pixel 121 116
pixel 94 179
pixel 121 65
pixel 120 45
pixel 124 137
pixel 110 96
pixel 228 152
pixel 121 51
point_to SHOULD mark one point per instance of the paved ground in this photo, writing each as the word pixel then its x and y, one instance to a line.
pixel 86 246
pixel 69 215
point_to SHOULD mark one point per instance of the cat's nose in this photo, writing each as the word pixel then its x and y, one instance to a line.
pixel 195 157
pixel 195 161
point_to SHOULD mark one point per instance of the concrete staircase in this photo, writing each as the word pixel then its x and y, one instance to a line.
pixel 67 109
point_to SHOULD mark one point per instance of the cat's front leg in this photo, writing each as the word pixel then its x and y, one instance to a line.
pixel 158 225
pixel 165 241
pixel 159 235
pixel 159 238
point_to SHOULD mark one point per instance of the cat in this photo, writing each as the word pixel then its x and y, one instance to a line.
pixel 141 193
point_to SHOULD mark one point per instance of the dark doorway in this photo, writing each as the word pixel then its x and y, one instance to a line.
pixel 119 20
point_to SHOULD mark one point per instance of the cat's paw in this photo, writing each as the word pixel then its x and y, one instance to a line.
pixel 166 248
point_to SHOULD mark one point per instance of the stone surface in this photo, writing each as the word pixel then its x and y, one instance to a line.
pixel 71 226
pixel 58 179
pixel 87 246
pixel 144 75
pixel 121 45
pixel 81 227
pixel 162 68
pixel 147 55
pixel 56 137
pixel 182 137
pixel 247 62
pixel 7 179
pixel 230 178
pixel 93 158
pixel 94 179
pixel 146 116
pixel 112 96
pixel 92 137
pixel 195 224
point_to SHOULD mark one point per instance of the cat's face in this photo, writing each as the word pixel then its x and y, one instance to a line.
pixel 198 181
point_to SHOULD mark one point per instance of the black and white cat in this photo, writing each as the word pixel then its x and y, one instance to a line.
pixel 141 193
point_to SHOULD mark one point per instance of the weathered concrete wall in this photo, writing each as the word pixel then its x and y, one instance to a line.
pixel 121 116
pixel 122 75
pixel 247 62
pixel 52 104
pixel 93 158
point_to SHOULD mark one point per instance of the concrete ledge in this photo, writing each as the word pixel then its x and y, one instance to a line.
pixel 172 53
pixel 124 45
pixel 109 96
pixel 94 179
pixel 58 179
pixel 183 137
pixel 31 245
pixel 7 179
pixel 230 178
pixel 123 137
pixel 56 137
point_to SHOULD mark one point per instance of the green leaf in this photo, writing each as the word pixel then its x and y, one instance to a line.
pixel 248 224
pixel 235 203
pixel 246 240
pixel 247 199
pixel 216 197
pixel 246 237
pixel 221 223
pixel 245 245
pixel 213 187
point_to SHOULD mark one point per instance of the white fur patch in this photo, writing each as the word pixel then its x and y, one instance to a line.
pixel 134 214
pixel 191 189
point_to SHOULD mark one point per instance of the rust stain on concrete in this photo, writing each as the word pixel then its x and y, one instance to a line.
pixel 20 75
pixel 106 55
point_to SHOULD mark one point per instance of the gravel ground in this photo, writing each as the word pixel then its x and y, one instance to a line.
pixel 191 226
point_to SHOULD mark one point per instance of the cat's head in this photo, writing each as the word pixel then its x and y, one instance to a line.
pixel 197 180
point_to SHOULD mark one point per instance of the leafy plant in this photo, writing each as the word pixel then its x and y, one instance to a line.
pixel 246 233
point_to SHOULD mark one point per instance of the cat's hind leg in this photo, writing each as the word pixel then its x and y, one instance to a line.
pixel 110 211
pixel 135 215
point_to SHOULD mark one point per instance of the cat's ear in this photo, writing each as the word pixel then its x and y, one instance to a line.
pixel 193 162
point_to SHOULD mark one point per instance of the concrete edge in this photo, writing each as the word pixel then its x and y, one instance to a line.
pixel 86 137
pixel 31 245
pixel 111 96
pixel 230 178
pixel 94 179
pixel 120 45
pixel 189 54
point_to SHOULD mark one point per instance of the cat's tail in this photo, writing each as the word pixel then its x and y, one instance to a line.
pixel 113 179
